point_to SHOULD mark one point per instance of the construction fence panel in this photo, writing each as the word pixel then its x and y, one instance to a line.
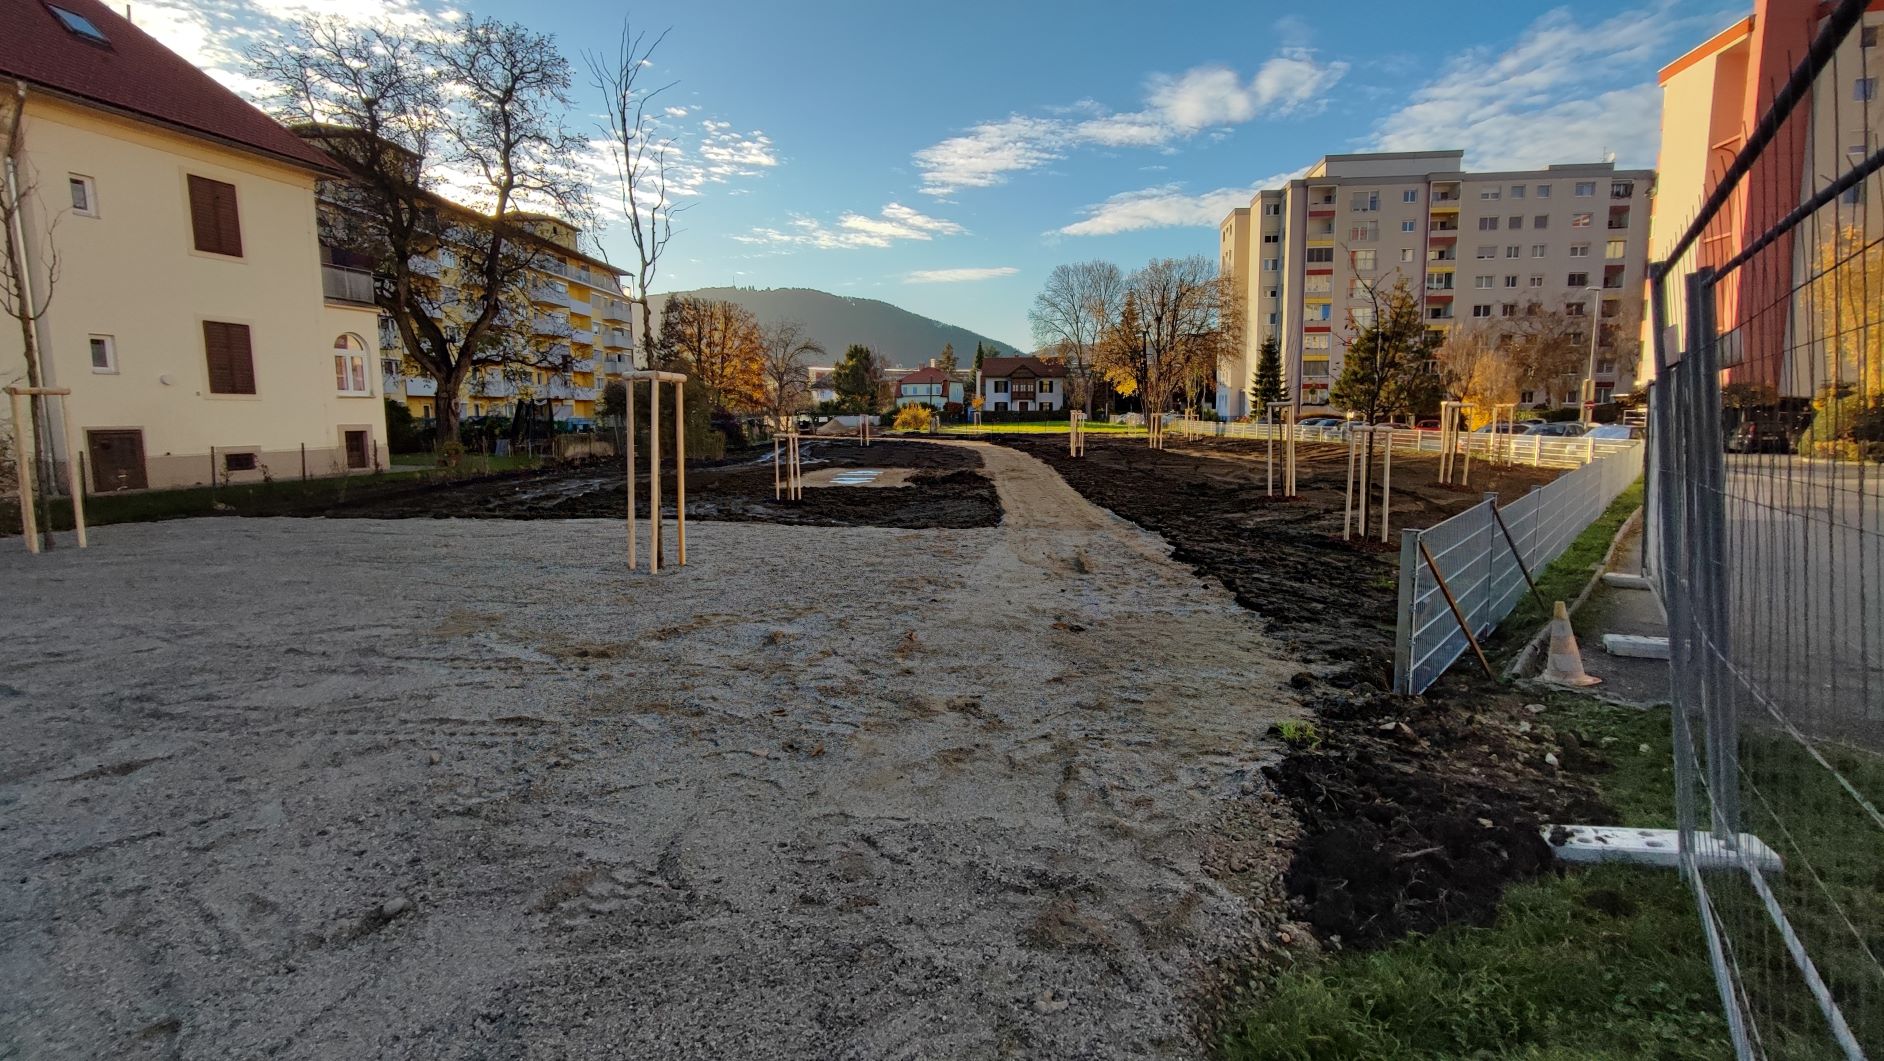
pixel 1767 429
pixel 1480 562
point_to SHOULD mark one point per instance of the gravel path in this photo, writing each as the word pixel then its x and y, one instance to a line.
pixel 464 789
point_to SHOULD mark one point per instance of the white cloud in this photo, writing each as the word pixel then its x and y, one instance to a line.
pixel 1163 206
pixel 983 156
pixel 1176 107
pixel 1167 206
pixel 895 222
pixel 958 276
pixel 1549 97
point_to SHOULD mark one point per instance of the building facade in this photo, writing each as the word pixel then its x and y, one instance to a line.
pixel 1021 385
pixel 928 386
pixel 1310 259
pixel 1711 97
pixel 190 315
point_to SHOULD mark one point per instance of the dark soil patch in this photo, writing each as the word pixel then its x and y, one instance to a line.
pixel 947 490
pixel 1415 811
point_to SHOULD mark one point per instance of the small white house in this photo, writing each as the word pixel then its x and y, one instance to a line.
pixel 1021 385
pixel 928 386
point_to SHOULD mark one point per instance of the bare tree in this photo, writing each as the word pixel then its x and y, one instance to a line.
pixel 25 295
pixel 1548 346
pixel 1072 312
pixel 476 109
pixel 1172 331
pixel 786 349
pixel 640 155
pixel 719 343
pixel 1476 370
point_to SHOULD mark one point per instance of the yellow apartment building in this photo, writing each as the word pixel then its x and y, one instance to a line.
pixel 189 312
pixel 577 311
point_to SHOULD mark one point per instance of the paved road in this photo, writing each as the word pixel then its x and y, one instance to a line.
pixel 1805 545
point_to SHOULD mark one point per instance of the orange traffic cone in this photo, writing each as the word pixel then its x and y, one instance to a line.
pixel 1565 665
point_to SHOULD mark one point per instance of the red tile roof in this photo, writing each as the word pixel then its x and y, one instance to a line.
pixel 926 375
pixel 135 74
pixel 1002 367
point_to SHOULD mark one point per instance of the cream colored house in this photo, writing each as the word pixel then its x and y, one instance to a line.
pixel 190 314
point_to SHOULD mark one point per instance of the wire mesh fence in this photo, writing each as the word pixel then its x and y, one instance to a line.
pixel 1478 553
pixel 1536 450
pixel 1767 530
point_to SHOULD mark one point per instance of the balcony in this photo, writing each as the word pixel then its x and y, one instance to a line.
pixel 579 304
pixel 341 284
pixel 582 364
pixel 421 388
pixel 494 387
pixel 612 310
pixel 549 294
pixel 618 366
pixel 617 338
pixel 1441 226
pixel 554 327
pixel 582 335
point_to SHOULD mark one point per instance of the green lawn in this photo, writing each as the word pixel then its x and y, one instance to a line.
pixel 1566 576
pixel 1039 427
pixel 1605 962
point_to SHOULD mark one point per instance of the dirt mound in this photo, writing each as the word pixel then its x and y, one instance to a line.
pixel 948 490
pixel 1416 812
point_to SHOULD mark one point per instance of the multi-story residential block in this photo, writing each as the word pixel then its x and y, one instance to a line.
pixel 1711 97
pixel 575 322
pixel 1308 258
pixel 1021 385
pixel 190 314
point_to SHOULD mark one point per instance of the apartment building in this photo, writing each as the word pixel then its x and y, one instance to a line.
pixel 576 322
pixel 1711 97
pixel 190 315
pixel 1307 258
pixel 578 313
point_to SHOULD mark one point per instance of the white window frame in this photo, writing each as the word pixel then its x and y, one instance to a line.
pixel 1409 225
pixel 110 345
pixel 351 379
pixel 91 194
pixel 1579 250
pixel 1410 195
pixel 1581 193
pixel 1540 250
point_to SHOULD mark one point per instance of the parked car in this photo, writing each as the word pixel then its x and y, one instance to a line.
pixel 1613 431
pixel 1504 428
pixel 1757 437
pixel 1426 425
pixel 1570 429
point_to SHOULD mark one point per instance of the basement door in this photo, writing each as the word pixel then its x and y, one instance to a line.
pixel 117 460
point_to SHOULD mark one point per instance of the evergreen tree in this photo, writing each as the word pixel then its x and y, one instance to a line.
pixel 947 361
pixel 981 354
pixel 1265 385
pixel 1388 367
pixel 855 380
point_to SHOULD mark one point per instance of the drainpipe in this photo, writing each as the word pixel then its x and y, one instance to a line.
pixel 36 359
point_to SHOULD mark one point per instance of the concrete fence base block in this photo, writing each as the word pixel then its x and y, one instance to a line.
pixel 1584 844
pixel 1635 647
pixel 1622 580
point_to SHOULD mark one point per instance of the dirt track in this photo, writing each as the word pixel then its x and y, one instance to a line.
pixel 464 789
pixel 1332 601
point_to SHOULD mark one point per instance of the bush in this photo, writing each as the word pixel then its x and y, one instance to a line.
pixel 914 417
pixel 1845 425
pixel 403 433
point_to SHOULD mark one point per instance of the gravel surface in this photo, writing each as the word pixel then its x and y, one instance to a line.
pixel 465 789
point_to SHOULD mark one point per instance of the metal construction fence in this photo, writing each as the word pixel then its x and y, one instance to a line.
pixel 1767 520
pixel 1538 450
pixel 1478 553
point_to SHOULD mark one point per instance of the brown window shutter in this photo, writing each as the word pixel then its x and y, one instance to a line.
pixel 215 222
pixel 231 358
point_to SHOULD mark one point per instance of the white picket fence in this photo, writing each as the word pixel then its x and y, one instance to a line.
pixel 1538 450
pixel 1481 566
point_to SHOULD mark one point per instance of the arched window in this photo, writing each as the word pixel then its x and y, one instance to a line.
pixel 350 365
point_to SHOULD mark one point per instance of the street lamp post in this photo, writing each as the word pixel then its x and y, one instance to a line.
pixel 1588 395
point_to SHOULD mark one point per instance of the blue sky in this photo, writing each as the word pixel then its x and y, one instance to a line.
pixel 945 158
